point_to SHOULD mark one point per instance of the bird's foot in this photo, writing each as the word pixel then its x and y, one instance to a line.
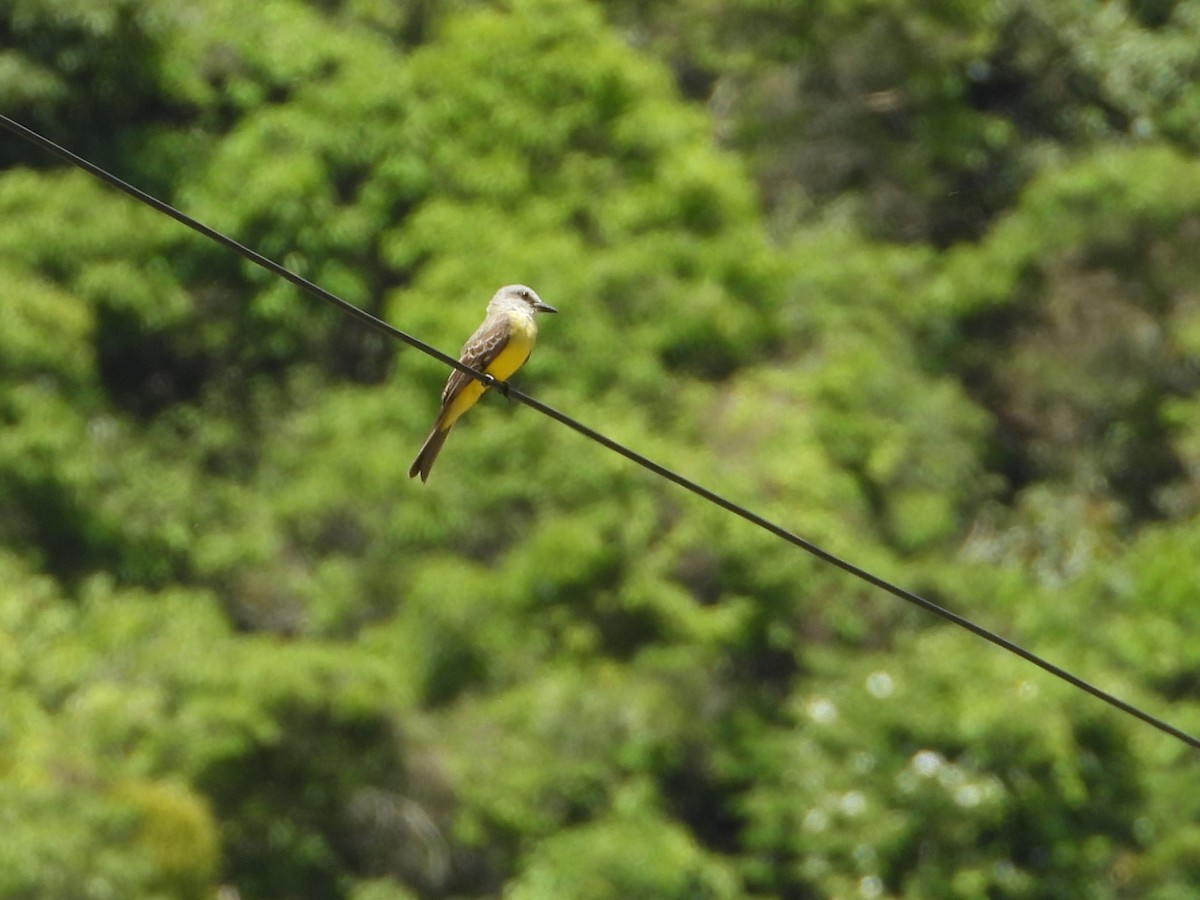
pixel 501 387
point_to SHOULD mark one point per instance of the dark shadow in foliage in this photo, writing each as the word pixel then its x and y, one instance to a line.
pixel 104 80
pixel 1152 14
pixel 145 371
pixel 1076 372
pixel 46 518
pixel 706 802
pixel 457 667
pixel 1107 803
pixel 283 804
pixel 42 516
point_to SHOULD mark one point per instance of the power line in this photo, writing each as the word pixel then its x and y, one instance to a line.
pixel 590 433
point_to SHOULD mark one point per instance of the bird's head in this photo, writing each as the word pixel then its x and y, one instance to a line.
pixel 520 295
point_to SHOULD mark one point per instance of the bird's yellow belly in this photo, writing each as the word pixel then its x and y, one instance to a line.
pixel 513 356
pixel 507 361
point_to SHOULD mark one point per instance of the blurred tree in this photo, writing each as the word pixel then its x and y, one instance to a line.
pixel 1067 327
pixel 240 652
pixel 925 118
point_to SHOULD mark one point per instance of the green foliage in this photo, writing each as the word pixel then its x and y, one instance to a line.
pixel 925 118
pixel 853 797
pixel 89 70
pixel 928 299
pixel 1068 314
pixel 86 816
pixel 625 855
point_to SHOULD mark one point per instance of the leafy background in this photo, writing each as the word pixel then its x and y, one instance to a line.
pixel 916 278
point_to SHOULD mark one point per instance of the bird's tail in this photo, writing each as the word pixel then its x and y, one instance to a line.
pixel 429 451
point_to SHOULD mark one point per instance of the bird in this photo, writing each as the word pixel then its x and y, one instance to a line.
pixel 499 346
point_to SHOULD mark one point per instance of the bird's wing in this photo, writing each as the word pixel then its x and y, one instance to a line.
pixel 478 352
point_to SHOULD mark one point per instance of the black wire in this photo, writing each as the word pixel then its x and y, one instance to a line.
pixel 660 470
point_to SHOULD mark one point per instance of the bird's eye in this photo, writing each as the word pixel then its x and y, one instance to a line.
pixel 524 293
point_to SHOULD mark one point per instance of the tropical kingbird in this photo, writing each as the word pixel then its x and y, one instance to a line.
pixel 498 348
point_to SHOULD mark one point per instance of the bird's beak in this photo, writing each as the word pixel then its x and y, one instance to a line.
pixel 544 307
